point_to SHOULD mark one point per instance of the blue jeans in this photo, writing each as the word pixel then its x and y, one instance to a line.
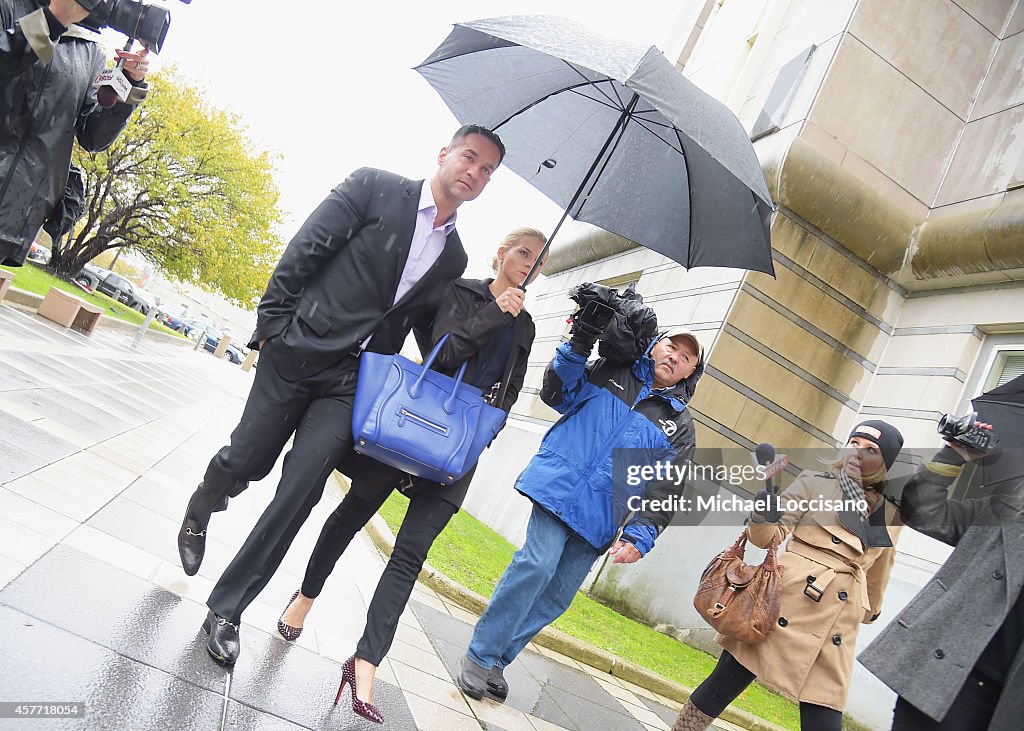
pixel 536 588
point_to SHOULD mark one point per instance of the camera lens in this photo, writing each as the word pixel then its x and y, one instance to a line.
pixel 147 23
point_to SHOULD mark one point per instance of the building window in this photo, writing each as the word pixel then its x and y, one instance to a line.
pixel 1008 365
pixel 781 95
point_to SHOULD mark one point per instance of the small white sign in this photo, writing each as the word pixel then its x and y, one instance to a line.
pixel 770 470
pixel 115 79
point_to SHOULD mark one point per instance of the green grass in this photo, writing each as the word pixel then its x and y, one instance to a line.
pixel 467 551
pixel 33 279
pixel 471 554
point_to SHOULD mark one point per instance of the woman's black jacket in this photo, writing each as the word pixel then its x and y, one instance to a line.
pixel 470 317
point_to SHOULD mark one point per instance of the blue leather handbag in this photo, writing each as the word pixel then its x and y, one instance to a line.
pixel 420 421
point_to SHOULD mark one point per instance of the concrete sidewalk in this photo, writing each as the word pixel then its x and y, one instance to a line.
pixel 100 447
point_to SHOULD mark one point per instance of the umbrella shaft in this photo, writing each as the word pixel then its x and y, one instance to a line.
pixel 617 130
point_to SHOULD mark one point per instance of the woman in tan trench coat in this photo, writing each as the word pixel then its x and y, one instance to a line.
pixel 835 570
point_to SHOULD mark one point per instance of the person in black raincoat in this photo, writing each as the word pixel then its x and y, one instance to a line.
pixel 47 100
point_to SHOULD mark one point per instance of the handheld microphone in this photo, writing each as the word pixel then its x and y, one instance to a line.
pixel 112 86
pixel 769 465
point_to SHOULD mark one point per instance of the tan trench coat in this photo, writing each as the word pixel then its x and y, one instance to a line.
pixel 809 656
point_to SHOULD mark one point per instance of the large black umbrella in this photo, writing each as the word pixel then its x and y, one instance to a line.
pixel 614 134
pixel 1003 408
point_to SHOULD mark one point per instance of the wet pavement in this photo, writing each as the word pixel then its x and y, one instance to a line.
pixel 100 447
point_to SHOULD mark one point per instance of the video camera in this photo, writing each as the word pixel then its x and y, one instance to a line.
pixel 592 319
pixel 963 431
pixel 136 19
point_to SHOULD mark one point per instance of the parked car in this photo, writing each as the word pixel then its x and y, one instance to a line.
pixel 172 318
pixel 196 330
pixel 117 287
pixel 190 328
pixel 90 275
pixel 144 301
pixel 38 254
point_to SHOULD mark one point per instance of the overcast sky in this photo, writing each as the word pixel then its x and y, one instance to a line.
pixel 331 88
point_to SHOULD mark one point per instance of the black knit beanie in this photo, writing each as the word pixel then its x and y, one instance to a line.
pixel 886 436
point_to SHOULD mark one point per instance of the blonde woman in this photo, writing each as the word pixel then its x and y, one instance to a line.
pixel 484 320
pixel 835 570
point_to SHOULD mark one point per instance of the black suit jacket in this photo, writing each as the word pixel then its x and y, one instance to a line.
pixel 336 282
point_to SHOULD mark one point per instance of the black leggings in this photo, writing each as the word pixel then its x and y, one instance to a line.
pixel 426 517
pixel 972 709
pixel 729 679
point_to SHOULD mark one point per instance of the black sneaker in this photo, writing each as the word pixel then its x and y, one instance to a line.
pixel 496 686
pixel 472 679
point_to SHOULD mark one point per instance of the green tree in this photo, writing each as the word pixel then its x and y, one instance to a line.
pixel 182 187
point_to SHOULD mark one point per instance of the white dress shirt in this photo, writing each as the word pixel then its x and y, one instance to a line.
pixel 426 246
pixel 427 242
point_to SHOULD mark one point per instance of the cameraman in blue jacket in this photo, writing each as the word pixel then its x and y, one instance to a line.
pixel 579 510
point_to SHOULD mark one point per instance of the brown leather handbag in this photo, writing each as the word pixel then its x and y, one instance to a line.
pixel 739 600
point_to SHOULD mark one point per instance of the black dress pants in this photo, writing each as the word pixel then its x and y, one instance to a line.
pixel 971 710
pixel 318 410
pixel 425 518
pixel 730 678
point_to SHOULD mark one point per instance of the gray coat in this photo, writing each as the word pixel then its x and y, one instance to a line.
pixel 926 653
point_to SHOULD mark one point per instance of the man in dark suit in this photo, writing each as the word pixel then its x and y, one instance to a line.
pixel 367 266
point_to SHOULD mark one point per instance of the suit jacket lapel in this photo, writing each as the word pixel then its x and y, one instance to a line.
pixel 404 230
pixel 452 245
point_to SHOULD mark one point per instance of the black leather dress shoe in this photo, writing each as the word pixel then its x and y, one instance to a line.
pixel 191 544
pixel 224 643
pixel 192 535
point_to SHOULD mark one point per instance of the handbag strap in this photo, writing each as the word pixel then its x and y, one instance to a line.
pixel 432 355
pixel 739 549
pixel 417 385
pixel 771 559
pixel 510 361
